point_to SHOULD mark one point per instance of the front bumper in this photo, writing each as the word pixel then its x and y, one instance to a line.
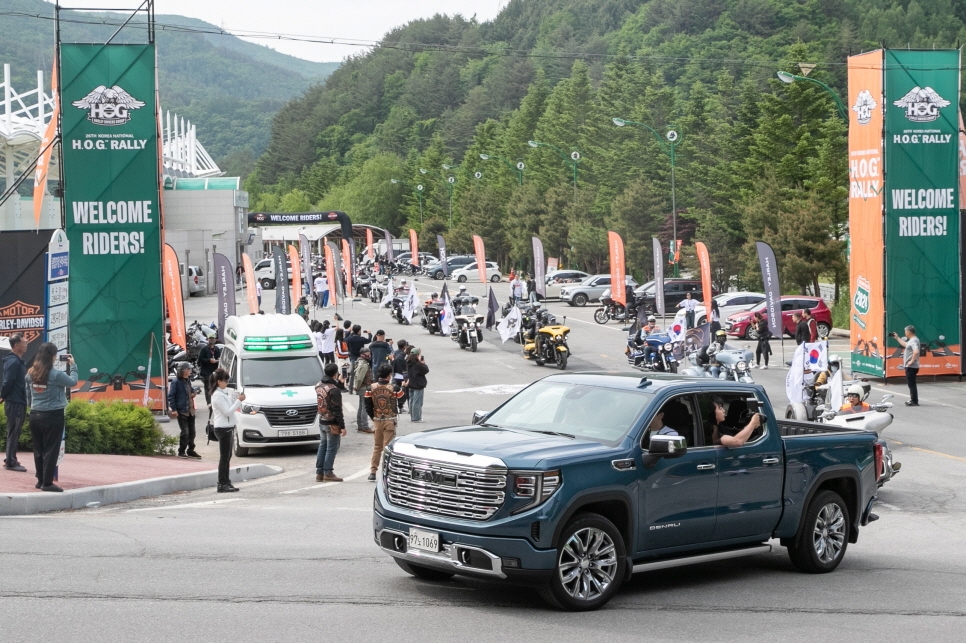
pixel 254 430
pixel 494 558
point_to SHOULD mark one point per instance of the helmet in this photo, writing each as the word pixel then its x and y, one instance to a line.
pixel 462 288
pixel 856 389
pixel 651 318
pixel 435 295
pixel 721 334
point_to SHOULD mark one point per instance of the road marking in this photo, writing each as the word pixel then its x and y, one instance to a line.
pixel 887 506
pixel 190 505
pixel 492 389
pixel 275 478
pixel 900 394
pixel 596 324
pixel 939 453
pixel 358 474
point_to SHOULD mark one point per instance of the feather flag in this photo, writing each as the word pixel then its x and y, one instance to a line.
pixel 446 315
pixel 492 307
pixel 47 149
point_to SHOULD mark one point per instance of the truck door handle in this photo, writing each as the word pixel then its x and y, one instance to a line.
pixel 771 461
pixel 705 466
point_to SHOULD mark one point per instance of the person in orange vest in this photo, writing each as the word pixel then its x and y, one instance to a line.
pixel 854 403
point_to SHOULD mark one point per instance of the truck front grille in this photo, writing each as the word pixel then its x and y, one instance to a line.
pixel 282 417
pixel 445 489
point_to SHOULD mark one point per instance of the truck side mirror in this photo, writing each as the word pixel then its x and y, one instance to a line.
pixel 667 446
pixel 479 416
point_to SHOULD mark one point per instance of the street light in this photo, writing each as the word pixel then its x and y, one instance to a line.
pixel 450 180
pixel 419 194
pixel 667 144
pixel 573 160
pixel 788 78
pixel 518 169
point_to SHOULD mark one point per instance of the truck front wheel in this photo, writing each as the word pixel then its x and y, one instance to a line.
pixel 426 573
pixel 590 565
pixel 823 536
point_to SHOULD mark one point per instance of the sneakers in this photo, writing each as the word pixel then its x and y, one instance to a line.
pixel 911 403
pixel 372 477
pixel 193 454
pixel 52 487
pixel 331 477
pixel 319 477
pixel 182 455
pixel 227 488
pixel 15 467
pixel 764 368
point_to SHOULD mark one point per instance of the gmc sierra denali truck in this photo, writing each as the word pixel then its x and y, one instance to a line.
pixel 582 479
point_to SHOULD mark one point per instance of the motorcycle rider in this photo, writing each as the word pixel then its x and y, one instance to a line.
pixel 716 347
pixel 458 299
pixel 854 403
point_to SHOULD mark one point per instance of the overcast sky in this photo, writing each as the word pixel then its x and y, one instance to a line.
pixel 361 19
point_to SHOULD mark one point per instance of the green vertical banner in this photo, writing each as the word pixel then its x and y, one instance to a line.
pixel 922 206
pixel 113 220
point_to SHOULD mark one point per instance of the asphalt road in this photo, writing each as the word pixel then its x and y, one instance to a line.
pixel 289 559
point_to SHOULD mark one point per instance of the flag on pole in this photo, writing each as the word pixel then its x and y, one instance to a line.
pixel 442 256
pixel 480 257
pixel 370 249
pixel 306 251
pixel 492 306
pixel 411 305
pixel 509 325
pixel 816 356
pixel 47 149
pixel 414 247
pixel 658 276
pixel 835 391
pixel 795 380
pixel 390 293
pixel 446 315
pixel 773 291
pixel 677 330
pixel 539 267
pixel 618 286
pixel 330 274
pixel 349 268
pixel 704 259
pixel 173 298
pixel 250 287
pixel 293 257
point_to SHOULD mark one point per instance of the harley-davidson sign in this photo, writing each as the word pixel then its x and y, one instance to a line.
pixel 22 318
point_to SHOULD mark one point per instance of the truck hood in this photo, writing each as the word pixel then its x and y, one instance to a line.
pixel 518 449
pixel 284 396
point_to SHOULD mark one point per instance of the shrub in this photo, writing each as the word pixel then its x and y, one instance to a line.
pixel 842 310
pixel 106 427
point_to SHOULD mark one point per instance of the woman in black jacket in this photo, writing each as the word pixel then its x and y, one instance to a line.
pixel 764 334
pixel 416 371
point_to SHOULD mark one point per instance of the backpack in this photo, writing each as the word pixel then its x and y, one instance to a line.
pixel 383 401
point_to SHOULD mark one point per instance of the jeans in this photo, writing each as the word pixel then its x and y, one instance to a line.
pixel 47 432
pixel 913 387
pixel 689 318
pixel 187 440
pixel 225 438
pixel 385 431
pixel 325 299
pixel 328 447
pixel 362 420
pixel 15 417
pixel 416 404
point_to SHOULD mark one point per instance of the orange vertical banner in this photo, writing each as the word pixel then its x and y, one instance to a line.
pixel 414 247
pixel 618 286
pixel 705 261
pixel 173 300
pixel 370 250
pixel 480 251
pixel 250 284
pixel 866 190
pixel 47 149
pixel 330 275
pixel 349 268
pixel 296 274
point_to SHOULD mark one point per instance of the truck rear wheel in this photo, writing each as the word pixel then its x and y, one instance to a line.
pixel 426 573
pixel 590 565
pixel 823 536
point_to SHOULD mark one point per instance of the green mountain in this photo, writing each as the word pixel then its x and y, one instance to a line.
pixel 228 87
pixel 755 158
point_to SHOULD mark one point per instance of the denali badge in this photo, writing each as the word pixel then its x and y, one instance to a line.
pixel 922 105
pixel 108 105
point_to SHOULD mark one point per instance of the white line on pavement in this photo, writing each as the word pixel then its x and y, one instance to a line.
pixel 596 324
pixel 358 474
pixel 190 505
pixel 275 478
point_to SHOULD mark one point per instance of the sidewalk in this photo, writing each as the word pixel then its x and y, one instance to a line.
pixel 107 479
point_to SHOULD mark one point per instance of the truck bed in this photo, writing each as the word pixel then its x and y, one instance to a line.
pixel 793 428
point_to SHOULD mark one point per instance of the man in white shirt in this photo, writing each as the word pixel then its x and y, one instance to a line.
pixel 321 291
pixel 516 289
pixel 258 293
pixel 910 361
pixel 688 304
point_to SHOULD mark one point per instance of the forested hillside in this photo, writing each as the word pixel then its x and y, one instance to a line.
pixel 757 159
pixel 229 88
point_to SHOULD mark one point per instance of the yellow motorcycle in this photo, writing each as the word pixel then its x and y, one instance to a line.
pixel 544 340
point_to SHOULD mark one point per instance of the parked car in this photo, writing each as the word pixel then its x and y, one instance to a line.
pixel 590 289
pixel 557 279
pixel 435 268
pixel 567 487
pixel 265 273
pixel 675 291
pixel 406 257
pixel 470 272
pixel 740 324
pixel 197 282
pixel 728 304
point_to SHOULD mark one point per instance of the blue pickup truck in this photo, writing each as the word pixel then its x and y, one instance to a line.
pixel 582 479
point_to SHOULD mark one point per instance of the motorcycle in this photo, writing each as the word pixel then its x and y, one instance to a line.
pixel 377 291
pixel 548 342
pixel 431 314
pixel 468 325
pixel 397 304
pixel 732 364
pixel 363 285
pixel 654 353
pixel 610 309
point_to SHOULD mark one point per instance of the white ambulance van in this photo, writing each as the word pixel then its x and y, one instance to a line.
pixel 273 361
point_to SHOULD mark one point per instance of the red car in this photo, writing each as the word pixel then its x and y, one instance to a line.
pixel 740 324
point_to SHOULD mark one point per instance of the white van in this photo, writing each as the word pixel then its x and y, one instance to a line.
pixel 265 273
pixel 273 361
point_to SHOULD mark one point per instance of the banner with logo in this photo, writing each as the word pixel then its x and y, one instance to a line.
pixel 658 253
pixel 283 297
pixel 174 297
pixel 370 249
pixel 296 262
pixel 618 287
pixel 225 288
pixel 704 260
pixel 331 275
pixel 480 251
pixel 922 206
pixel 46 151
pixel 539 272
pixel 112 210
pixel 553 263
pixel 22 285
pixel 389 253
pixel 250 287
pixel 413 247
pixel 866 191
pixel 773 289
pixel 305 249
pixel 348 266
pixel 441 242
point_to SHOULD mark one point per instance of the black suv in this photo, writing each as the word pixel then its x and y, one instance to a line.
pixel 452 263
pixel 675 291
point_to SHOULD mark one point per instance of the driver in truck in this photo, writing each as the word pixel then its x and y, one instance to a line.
pixel 725 431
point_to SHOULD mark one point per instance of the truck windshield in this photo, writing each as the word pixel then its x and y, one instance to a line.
pixel 589 412
pixel 281 371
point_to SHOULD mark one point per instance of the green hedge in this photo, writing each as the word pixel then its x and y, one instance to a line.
pixel 116 428
pixel 842 310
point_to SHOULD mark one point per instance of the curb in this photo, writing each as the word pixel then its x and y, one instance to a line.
pixel 840 332
pixel 22 504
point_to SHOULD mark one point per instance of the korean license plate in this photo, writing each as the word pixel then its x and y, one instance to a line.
pixel 425 540
pixel 290 433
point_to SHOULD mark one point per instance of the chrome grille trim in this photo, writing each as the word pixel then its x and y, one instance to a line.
pixel 476 493
pixel 277 417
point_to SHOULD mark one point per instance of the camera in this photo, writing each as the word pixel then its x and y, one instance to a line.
pixel 63 358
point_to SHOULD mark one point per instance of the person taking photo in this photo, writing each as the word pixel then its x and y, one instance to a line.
pixel 223 407
pixel 47 398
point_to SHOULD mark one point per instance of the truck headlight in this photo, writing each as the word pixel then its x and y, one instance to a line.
pixel 250 409
pixel 535 485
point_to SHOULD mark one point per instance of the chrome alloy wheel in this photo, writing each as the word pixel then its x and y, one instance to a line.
pixel 828 536
pixel 588 563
